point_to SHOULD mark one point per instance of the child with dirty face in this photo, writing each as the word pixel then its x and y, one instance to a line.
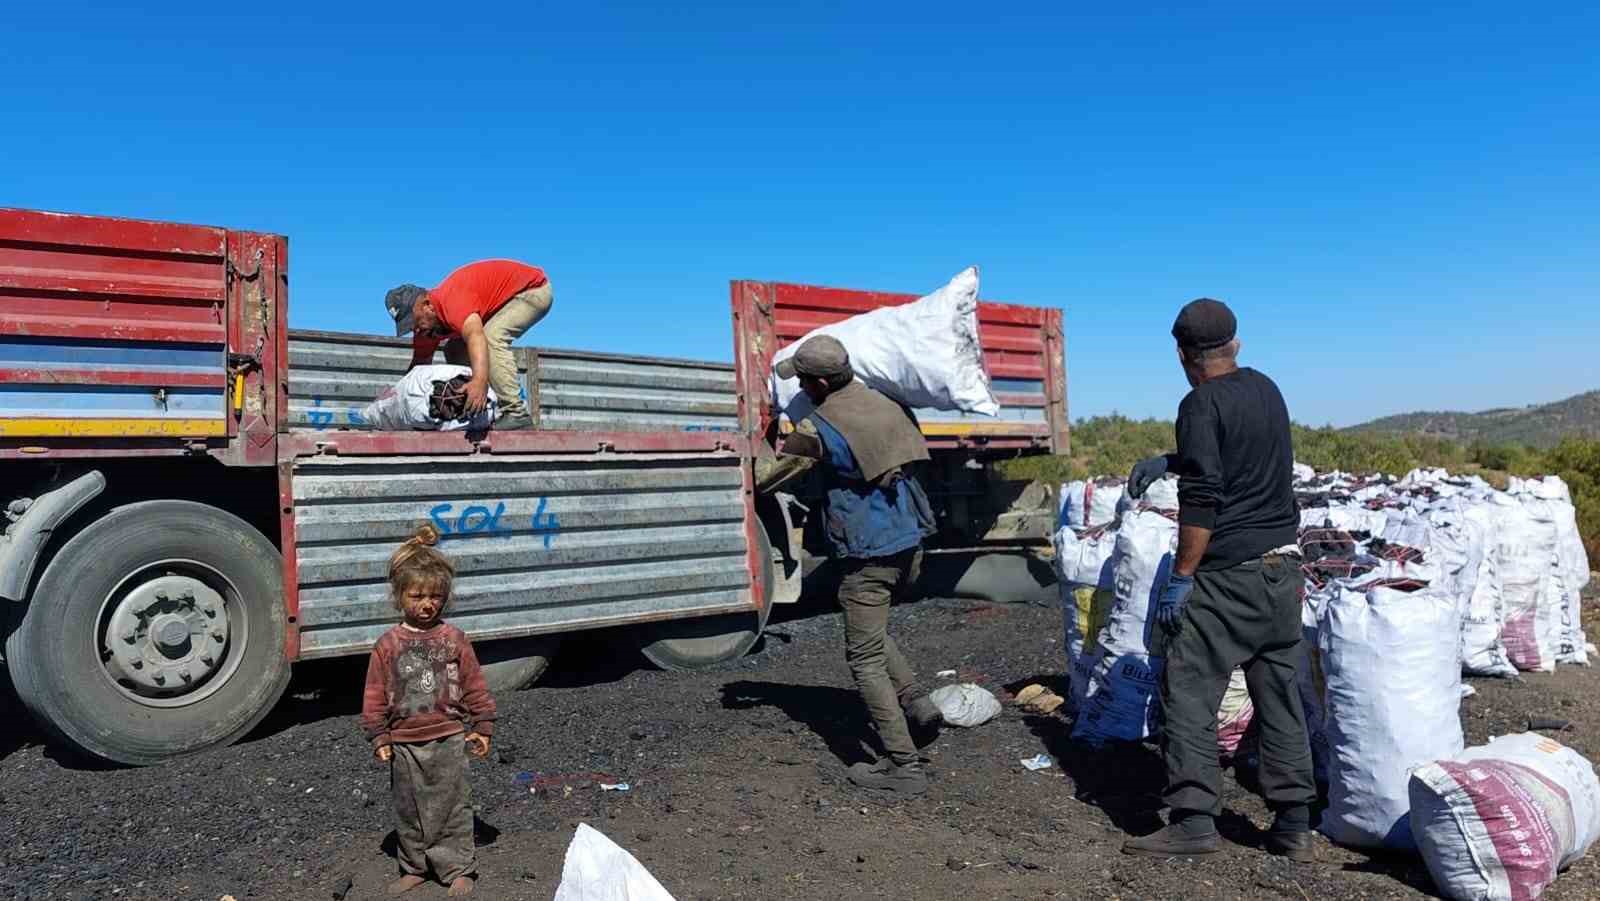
pixel 425 691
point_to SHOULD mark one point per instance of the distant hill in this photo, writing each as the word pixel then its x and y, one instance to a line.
pixel 1538 426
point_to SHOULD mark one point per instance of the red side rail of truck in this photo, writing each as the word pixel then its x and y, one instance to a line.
pixel 1022 348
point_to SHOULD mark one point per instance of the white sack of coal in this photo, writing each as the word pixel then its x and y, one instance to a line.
pixel 1089 503
pixel 1120 703
pixel 1389 650
pixel 404 406
pixel 1501 820
pixel 925 354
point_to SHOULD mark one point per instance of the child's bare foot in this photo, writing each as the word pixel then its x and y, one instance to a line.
pixel 405 884
pixel 461 887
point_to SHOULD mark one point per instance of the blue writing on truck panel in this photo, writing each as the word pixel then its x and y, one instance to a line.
pixel 479 519
pixel 545 524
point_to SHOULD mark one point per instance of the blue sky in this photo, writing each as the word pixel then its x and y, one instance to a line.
pixel 1402 204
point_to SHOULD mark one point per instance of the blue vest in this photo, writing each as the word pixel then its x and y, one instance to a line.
pixel 863 520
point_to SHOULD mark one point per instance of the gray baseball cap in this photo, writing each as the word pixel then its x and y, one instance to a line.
pixel 820 357
pixel 400 302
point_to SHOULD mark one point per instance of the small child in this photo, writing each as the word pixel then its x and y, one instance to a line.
pixel 424 689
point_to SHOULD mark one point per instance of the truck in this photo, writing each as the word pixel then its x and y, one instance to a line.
pixel 194 503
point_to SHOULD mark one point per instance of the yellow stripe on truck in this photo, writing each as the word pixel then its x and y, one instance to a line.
pixel 112 428
pixel 963 429
pixel 981 428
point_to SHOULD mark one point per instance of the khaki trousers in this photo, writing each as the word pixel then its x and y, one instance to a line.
pixel 882 675
pixel 522 312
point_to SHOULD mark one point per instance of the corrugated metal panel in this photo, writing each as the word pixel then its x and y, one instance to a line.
pixel 111 319
pixel 591 392
pixel 541 543
pixel 332 376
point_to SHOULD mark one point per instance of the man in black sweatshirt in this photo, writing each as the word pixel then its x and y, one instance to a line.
pixel 1233 599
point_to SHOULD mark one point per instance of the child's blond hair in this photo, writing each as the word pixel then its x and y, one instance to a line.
pixel 417 562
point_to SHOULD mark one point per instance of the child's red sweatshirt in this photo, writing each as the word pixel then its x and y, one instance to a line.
pixel 423 686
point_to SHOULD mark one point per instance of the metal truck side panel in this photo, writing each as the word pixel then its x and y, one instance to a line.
pixel 333 375
pixel 543 543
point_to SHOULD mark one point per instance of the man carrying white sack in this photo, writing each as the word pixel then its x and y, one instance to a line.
pixel 1233 598
pixel 877 515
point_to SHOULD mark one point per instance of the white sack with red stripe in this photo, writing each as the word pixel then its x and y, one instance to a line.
pixel 1090 503
pixel 1498 822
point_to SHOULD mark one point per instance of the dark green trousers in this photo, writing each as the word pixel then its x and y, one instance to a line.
pixel 1246 616
pixel 881 672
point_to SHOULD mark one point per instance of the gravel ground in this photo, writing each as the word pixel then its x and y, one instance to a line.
pixel 737 788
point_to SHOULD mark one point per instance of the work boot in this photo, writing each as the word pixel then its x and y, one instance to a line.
pixel 1189 837
pixel 922 713
pixel 1290 835
pixel 510 422
pixel 903 779
pixel 1298 846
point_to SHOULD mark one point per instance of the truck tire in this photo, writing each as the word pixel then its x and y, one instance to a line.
pixel 690 644
pixel 157 631
pixel 513 664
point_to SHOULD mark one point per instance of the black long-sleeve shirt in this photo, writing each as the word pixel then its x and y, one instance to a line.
pixel 1235 466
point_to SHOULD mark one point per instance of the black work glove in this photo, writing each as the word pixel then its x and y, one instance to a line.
pixel 1144 474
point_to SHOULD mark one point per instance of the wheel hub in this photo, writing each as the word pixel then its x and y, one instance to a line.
pixel 166 636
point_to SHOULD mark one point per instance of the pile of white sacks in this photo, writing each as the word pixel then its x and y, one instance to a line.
pixel 1410 583
pixel 1112 560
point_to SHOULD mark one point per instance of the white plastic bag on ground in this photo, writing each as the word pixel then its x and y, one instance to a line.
pixel 1393 698
pixel 966 704
pixel 404 406
pixel 1500 821
pixel 1120 703
pixel 597 869
pixel 1303 473
pixel 925 354
pixel 1090 503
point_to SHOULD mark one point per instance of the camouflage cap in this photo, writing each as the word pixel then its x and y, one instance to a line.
pixel 400 302
pixel 820 357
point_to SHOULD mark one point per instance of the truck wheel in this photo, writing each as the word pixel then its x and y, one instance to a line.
pixel 513 664
pixel 688 644
pixel 158 630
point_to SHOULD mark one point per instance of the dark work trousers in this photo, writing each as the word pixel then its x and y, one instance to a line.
pixel 1245 616
pixel 433 807
pixel 882 675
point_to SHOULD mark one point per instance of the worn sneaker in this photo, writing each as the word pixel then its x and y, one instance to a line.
pixel 923 713
pixel 1298 845
pixel 886 775
pixel 1173 841
pixel 510 422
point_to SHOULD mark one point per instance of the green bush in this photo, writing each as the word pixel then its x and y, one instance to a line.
pixel 1110 445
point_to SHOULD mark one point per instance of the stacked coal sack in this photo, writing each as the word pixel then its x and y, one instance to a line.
pixel 1512 559
pixel 1113 558
pixel 1411 582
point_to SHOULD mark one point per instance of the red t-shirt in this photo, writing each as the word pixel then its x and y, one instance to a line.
pixel 483 288
pixel 423 686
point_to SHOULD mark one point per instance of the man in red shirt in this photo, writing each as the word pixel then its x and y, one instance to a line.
pixel 476 312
